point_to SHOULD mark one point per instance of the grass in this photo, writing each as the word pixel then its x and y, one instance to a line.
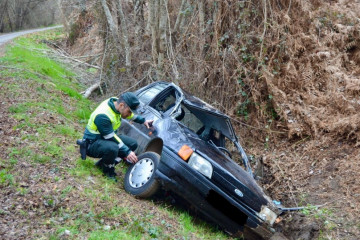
pixel 324 215
pixel 316 212
pixel 75 200
pixel 6 178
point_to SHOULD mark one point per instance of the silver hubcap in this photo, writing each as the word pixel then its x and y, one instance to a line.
pixel 141 173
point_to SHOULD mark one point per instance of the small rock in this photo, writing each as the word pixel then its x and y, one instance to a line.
pixel 67 232
pixel 24 184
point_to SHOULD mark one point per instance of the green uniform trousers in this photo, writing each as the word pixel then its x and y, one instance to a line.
pixel 108 150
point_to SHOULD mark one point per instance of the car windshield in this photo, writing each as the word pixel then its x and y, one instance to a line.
pixel 207 125
pixel 189 119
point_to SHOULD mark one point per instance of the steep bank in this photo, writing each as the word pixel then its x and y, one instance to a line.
pixel 46 190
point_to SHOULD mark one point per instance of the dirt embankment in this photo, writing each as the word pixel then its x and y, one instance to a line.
pixel 317 93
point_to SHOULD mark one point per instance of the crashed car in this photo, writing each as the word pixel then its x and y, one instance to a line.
pixel 185 152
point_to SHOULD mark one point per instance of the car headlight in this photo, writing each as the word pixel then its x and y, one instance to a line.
pixel 201 164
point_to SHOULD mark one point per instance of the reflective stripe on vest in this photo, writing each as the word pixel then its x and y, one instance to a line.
pixel 104 108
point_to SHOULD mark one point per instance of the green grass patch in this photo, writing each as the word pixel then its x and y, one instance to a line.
pixel 16 153
pixel 318 213
pixel 66 131
pixel 113 234
pixel 82 114
pixel 70 92
pixel 41 158
pixel 66 191
pixel 20 108
pixel 6 178
pixel 30 54
pixel 22 191
pixel 53 149
pixel 84 168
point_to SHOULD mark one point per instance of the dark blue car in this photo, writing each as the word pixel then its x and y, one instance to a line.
pixel 185 152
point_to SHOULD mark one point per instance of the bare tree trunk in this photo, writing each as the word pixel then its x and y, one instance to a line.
pixel 170 49
pixel 124 34
pixel 23 11
pixel 162 37
pixel 215 24
pixel 185 14
pixel 110 21
pixel 179 16
pixel 10 18
pixel 3 6
pixel 154 26
pixel 148 28
pixel 201 8
pixel 139 20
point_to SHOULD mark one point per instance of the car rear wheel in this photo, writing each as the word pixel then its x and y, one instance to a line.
pixel 140 178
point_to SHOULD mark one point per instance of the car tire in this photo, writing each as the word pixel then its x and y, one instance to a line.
pixel 140 178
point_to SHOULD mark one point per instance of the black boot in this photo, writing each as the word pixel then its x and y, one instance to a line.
pixel 109 171
pixel 99 164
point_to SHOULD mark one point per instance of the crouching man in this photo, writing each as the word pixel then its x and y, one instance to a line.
pixel 100 134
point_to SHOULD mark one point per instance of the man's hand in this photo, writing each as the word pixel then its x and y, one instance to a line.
pixel 148 123
pixel 132 157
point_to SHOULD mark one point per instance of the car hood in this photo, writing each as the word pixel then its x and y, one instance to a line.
pixel 228 174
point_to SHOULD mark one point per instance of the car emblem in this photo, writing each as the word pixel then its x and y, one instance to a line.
pixel 239 193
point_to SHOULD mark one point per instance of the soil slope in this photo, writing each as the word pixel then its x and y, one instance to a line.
pixel 318 94
pixel 46 190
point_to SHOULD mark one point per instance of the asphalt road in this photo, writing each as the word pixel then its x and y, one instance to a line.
pixel 9 36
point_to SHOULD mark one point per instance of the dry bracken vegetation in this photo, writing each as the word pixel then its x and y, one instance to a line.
pixel 294 62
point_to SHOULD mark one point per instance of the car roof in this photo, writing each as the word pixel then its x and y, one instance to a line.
pixel 189 99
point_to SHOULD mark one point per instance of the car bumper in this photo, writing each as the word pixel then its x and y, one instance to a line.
pixel 210 200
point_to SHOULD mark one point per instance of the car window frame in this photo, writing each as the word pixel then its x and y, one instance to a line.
pixel 162 94
pixel 145 90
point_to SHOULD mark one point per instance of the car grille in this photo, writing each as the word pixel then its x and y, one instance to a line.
pixel 249 199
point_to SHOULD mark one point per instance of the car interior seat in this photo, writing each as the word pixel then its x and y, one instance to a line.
pixel 170 108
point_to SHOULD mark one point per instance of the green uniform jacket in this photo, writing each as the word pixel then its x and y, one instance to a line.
pixel 105 121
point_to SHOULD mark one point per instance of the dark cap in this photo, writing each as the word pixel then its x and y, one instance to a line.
pixel 131 100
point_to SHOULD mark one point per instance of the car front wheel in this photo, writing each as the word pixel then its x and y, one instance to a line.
pixel 140 178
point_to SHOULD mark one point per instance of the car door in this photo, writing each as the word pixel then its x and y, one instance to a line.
pixel 139 131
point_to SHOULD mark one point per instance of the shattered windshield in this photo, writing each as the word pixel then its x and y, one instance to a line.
pixel 204 123
pixel 189 119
